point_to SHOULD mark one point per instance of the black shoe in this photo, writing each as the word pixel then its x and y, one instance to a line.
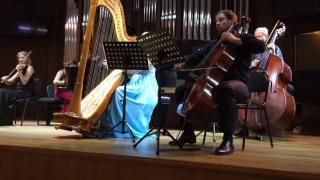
pixel 241 132
pixel 226 148
pixel 183 140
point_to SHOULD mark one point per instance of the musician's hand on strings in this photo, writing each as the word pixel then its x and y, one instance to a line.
pixel 229 37
pixel 255 63
pixel 272 47
pixel 19 67
pixel 178 67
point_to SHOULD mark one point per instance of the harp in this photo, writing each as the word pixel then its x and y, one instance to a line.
pixel 83 114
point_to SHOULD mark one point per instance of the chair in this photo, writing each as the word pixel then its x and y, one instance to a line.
pixel 51 103
pixel 165 101
pixel 259 83
pixel 213 123
pixel 37 84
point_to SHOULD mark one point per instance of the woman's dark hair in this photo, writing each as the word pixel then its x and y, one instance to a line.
pixel 229 14
pixel 70 63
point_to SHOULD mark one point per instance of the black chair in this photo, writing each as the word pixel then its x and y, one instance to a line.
pixel 52 103
pixel 212 122
pixel 165 102
pixel 259 83
pixel 37 84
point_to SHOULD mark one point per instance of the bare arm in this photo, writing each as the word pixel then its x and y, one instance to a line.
pixel 26 77
pixel 9 81
pixel 57 80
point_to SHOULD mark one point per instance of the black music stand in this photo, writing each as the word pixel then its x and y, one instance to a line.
pixel 124 55
pixel 162 51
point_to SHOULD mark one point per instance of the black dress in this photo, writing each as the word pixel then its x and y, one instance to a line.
pixel 8 96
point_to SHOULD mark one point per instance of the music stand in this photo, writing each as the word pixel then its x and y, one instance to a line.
pixel 162 51
pixel 124 55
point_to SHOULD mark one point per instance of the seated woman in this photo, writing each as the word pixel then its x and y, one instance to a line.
pixel 141 99
pixel 59 84
pixel 24 80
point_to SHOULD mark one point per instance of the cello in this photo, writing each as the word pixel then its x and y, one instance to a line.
pixel 280 104
pixel 212 69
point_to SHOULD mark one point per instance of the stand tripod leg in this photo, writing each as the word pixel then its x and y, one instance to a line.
pixel 130 132
pixel 147 134
pixel 158 140
pixel 124 123
pixel 175 140
pixel 199 133
pixel 110 130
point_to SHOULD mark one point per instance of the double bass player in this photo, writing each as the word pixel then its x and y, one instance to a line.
pixel 262 34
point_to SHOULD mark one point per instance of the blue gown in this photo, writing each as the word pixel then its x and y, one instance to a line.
pixel 141 99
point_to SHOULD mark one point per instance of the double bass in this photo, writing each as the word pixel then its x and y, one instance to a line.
pixel 280 104
pixel 213 68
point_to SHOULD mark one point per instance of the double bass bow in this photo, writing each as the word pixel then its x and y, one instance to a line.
pixel 213 67
pixel 280 104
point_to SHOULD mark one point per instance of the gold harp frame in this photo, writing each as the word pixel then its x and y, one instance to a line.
pixel 84 113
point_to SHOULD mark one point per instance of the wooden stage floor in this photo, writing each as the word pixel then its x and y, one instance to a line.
pixel 295 157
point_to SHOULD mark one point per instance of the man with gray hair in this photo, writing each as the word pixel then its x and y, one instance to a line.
pixel 261 33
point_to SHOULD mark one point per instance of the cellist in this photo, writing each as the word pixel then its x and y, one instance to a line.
pixel 235 85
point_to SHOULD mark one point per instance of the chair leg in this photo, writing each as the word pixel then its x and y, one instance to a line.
pixel 268 125
pixel 214 123
pixel 205 131
pixel 48 113
pixel 204 135
pixel 206 126
pixel 37 113
pixel 214 131
pixel 244 129
pixel 24 111
pixel 15 113
pixel 164 124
